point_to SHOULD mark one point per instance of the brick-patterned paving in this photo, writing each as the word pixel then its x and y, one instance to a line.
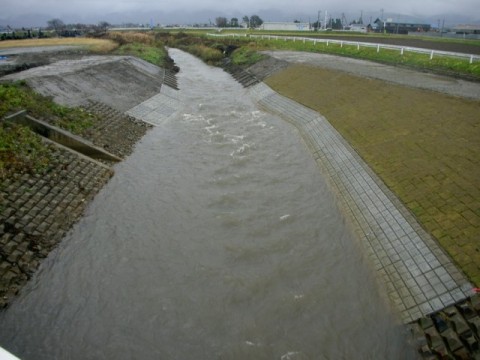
pixel 419 277
pixel 425 146
pixel 37 210
pixel 115 132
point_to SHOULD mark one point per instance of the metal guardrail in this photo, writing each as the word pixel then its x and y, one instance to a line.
pixel 359 44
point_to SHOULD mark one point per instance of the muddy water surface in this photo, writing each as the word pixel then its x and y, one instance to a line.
pixel 216 239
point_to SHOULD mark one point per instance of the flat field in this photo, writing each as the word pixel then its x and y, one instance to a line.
pixel 97 45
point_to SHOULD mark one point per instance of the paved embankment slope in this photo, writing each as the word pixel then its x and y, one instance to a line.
pixel 37 210
pixel 422 143
pixel 421 279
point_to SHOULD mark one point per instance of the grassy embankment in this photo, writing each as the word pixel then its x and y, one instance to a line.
pixel 21 150
pixel 441 64
pixel 209 49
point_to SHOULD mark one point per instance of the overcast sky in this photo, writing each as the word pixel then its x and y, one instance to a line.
pixel 95 10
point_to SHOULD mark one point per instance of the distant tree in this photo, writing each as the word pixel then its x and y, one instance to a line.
pixel 55 24
pixel 255 21
pixel 103 27
pixel 221 21
pixel 337 24
pixel 234 22
pixel 296 21
pixel 317 25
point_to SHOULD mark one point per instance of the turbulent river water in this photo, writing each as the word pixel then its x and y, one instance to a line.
pixel 216 239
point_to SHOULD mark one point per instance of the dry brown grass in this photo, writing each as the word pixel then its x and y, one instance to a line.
pixel 132 37
pixel 96 45
pixel 424 145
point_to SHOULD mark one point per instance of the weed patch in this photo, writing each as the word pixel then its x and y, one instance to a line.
pixel 21 151
pixel 245 56
pixel 439 64
pixel 153 54
pixel 18 96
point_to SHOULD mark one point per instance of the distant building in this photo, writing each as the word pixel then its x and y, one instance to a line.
pixel 393 27
pixel 357 28
pixel 467 29
pixel 286 26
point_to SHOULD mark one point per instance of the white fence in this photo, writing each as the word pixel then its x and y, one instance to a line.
pixel 401 49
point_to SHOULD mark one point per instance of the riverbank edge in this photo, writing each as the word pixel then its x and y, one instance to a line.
pixel 37 210
pixel 452 329
pixel 451 332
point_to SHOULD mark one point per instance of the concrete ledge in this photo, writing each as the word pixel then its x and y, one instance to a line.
pixel 62 137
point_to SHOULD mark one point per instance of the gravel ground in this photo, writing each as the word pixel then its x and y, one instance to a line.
pixel 392 74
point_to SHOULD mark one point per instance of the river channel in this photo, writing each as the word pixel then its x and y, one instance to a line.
pixel 217 238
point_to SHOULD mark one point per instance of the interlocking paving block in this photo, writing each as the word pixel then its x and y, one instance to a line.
pixel 474 322
pixel 455 326
pixel 424 279
pixel 440 324
pixel 476 303
pixel 452 340
pixel 37 220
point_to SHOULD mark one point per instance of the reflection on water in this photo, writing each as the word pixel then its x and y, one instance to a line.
pixel 216 239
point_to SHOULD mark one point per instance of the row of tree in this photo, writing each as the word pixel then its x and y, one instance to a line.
pixel 23 34
pixel 63 29
pixel 253 21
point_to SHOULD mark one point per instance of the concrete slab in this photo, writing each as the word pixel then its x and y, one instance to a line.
pixel 120 82
pixel 158 108
pixel 419 277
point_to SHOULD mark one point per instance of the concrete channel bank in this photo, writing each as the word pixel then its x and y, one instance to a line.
pixel 433 296
pixel 420 279
pixel 37 210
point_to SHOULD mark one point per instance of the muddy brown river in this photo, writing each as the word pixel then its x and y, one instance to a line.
pixel 216 239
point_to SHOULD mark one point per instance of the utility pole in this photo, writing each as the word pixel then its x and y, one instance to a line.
pixel 318 20
pixel 325 22
pixel 383 20
pixel 443 26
